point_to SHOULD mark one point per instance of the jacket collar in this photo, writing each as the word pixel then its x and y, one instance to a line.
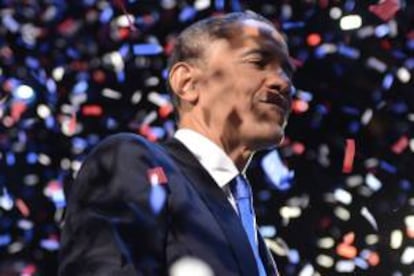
pixel 218 205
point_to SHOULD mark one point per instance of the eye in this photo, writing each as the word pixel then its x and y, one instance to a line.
pixel 259 62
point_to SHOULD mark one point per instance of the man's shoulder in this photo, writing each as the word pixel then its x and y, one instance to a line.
pixel 126 143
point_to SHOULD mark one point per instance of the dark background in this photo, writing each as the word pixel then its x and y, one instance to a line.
pixel 74 72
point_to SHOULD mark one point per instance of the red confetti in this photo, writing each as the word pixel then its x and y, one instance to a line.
pixel 17 109
pixel 159 173
pixel 298 148
pixel 373 259
pixel 165 110
pixel 385 9
pixel 410 232
pixel 30 269
pixel 400 145
pixel 346 249
pixel 22 207
pixel 313 39
pixel 72 123
pixel 349 156
pixel 92 110
pixel 299 106
pixel 349 238
pixel 145 130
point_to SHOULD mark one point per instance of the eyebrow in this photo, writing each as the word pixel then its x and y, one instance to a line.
pixel 282 57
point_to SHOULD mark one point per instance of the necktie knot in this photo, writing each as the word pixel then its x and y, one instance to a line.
pixel 240 188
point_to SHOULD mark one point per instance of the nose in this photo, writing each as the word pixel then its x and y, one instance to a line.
pixel 281 82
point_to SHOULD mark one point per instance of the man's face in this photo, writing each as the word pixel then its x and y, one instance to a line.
pixel 245 89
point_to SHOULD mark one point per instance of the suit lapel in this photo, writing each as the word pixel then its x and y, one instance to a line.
pixel 266 256
pixel 218 205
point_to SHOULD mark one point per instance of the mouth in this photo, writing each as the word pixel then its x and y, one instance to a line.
pixel 278 100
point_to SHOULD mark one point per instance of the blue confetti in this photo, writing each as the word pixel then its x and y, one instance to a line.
pixel 388 167
pixel 187 14
pixel 31 158
pixel 5 239
pixel 106 14
pixel 157 198
pixel 278 174
pixel 147 49
pixel 219 4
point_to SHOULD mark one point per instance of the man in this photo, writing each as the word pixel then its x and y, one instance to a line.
pixel 137 207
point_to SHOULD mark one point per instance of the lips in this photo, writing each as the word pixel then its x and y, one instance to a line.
pixel 279 100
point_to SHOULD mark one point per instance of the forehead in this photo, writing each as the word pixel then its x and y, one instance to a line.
pixel 248 33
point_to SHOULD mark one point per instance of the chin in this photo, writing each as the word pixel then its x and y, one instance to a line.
pixel 268 141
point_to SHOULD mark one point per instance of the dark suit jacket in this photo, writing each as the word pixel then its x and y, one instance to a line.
pixel 111 229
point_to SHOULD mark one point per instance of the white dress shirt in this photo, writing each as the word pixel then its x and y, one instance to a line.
pixel 213 159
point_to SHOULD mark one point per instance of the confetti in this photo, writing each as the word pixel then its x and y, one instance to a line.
pixel 349 156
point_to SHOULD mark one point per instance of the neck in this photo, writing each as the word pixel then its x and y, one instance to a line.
pixel 238 153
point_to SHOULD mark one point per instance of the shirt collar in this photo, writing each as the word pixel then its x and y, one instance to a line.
pixel 213 159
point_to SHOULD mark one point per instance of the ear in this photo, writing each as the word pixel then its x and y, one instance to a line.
pixel 182 80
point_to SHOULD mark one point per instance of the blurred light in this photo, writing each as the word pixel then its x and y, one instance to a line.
pixel 382 30
pixel 278 174
pixel 147 49
pixel 290 212
pixel 371 239
pixel 354 181
pixel 124 20
pixel 335 13
pixel 387 81
pixel 403 75
pixel 293 256
pixel 190 266
pixel 202 4
pixel 58 73
pixel 168 4
pixel 267 231
pixel 5 239
pixel 342 213
pixel 65 164
pixel 112 94
pixel 115 60
pixel 286 11
pixel 6 201
pixel 369 217
pixel 44 159
pixel 307 270
pixel 373 182
pixel 136 97
pixel 376 64
pixel 350 22
pixel 409 221
pixel 407 256
pixel 343 196
pixel 50 244
pixel 326 242
pixel 344 266
pixel 324 49
pixel 348 52
pixel 396 239
pixel 411 145
pixel 325 261
pixel 187 14
pixel 23 92
pixel 361 263
pixel 43 111
pixel 366 116
pixel 365 31
pixel 313 39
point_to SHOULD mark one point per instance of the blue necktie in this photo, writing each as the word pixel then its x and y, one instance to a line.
pixel 241 191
